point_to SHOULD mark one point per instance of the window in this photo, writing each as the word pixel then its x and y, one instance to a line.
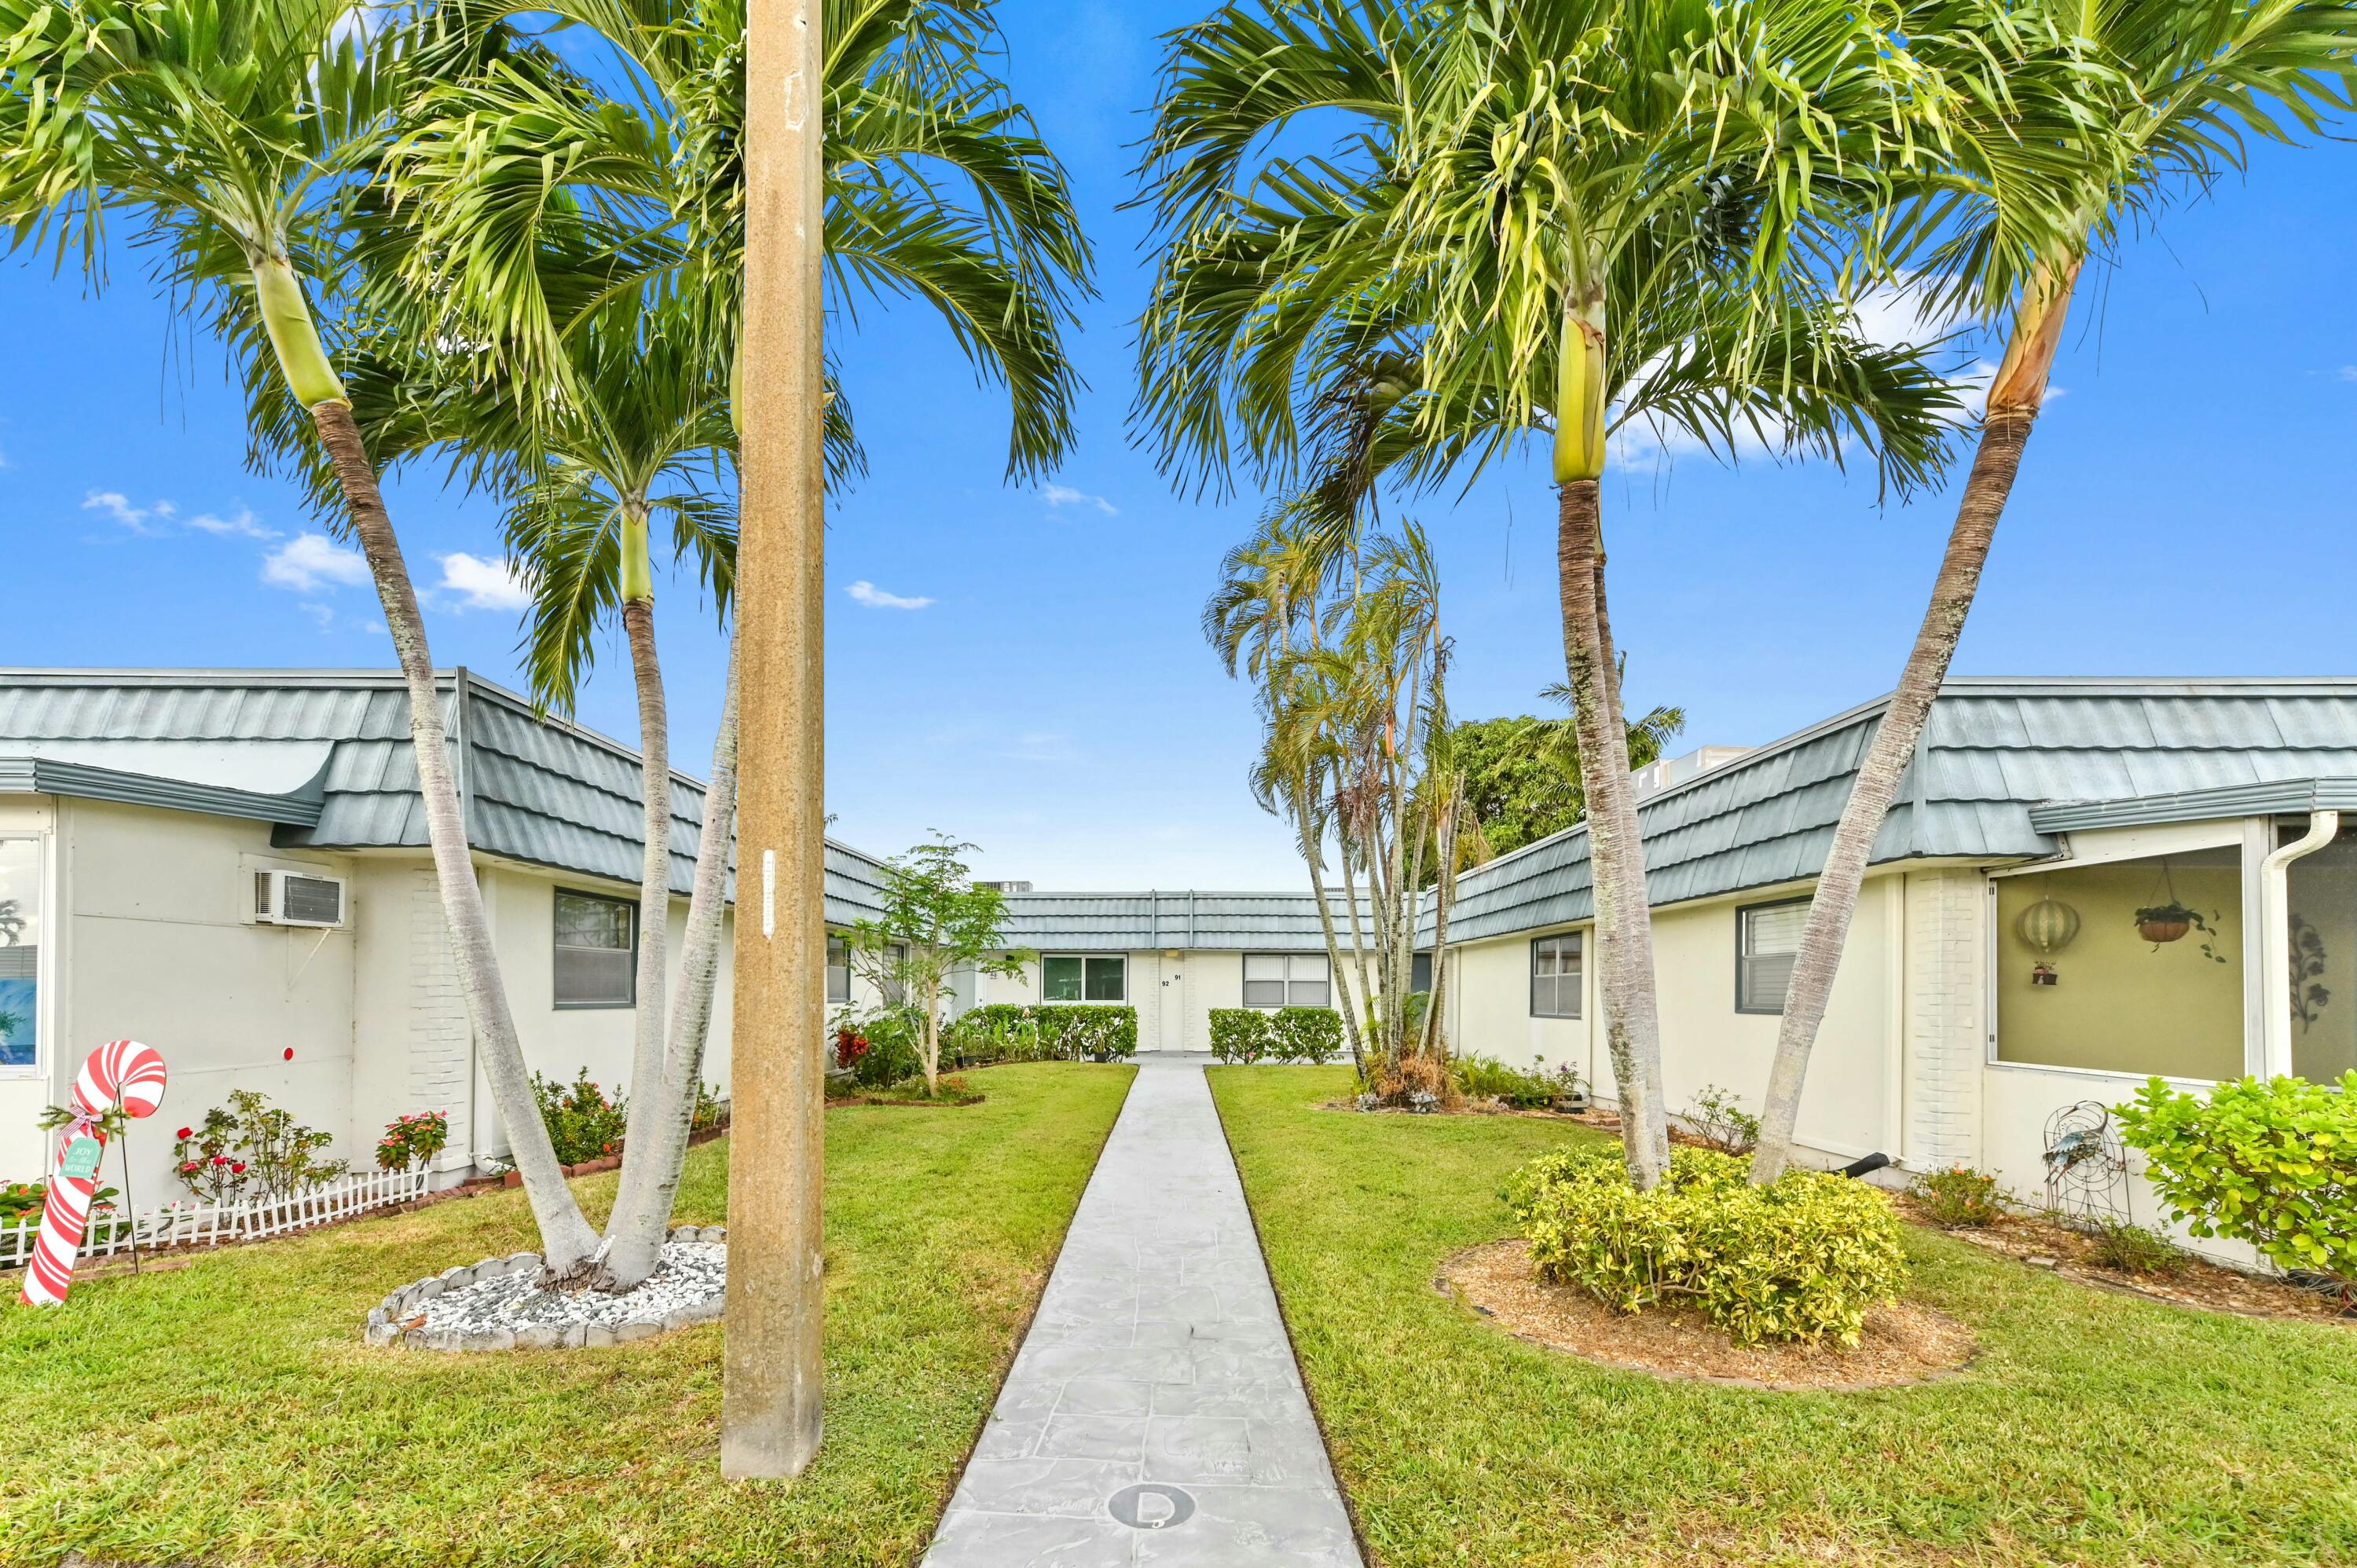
pixel 2082 982
pixel 1767 941
pixel 1074 977
pixel 1555 976
pixel 596 951
pixel 20 953
pixel 1420 974
pixel 838 967
pixel 1286 980
pixel 2323 950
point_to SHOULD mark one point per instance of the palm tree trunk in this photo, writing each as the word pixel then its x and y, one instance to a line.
pixel 647 1043
pixel 568 1243
pixel 1339 979
pixel 1615 854
pixel 2015 397
pixel 635 1235
pixel 1638 947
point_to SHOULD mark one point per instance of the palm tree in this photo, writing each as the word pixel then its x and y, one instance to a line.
pixel 936 188
pixel 2193 78
pixel 639 434
pixel 1345 651
pixel 237 136
pixel 1552 218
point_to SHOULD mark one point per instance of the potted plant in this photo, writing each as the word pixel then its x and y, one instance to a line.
pixel 2167 922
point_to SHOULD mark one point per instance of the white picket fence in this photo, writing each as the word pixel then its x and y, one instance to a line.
pixel 192 1224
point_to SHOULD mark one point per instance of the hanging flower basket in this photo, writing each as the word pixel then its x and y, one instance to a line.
pixel 2168 923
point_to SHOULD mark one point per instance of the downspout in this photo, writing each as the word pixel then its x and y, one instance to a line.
pixel 2275 942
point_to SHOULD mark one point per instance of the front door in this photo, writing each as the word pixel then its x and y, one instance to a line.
pixel 1170 1032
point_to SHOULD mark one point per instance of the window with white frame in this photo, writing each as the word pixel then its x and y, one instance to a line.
pixel 1556 976
pixel 1287 980
pixel 838 967
pixel 20 953
pixel 1084 977
pixel 1767 944
pixel 596 951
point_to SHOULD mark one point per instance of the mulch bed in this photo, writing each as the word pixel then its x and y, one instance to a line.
pixel 2213 1287
pixel 1903 1344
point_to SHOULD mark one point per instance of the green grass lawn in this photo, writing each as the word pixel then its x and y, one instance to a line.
pixel 227 1412
pixel 2094 1428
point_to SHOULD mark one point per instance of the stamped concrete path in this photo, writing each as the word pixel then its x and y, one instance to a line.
pixel 1154 1415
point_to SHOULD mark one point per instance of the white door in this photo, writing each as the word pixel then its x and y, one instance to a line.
pixel 1170 1032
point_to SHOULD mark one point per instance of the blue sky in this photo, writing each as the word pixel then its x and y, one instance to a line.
pixel 2184 509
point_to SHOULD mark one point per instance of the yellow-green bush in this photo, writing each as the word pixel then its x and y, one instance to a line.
pixel 1803 1258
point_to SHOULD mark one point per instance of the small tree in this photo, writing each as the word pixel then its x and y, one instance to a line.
pixel 935 922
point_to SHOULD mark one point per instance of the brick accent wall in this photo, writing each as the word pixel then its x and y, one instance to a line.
pixel 440 1047
pixel 1946 1023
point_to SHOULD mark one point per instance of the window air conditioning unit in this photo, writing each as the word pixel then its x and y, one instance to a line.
pixel 300 899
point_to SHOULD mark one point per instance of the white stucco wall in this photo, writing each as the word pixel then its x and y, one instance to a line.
pixel 154 943
pixel 1851 1104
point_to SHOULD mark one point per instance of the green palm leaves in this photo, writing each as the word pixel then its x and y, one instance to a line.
pixel 938 190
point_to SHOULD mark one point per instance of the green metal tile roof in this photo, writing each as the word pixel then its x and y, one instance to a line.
pixel 1993 751
pixel 325 756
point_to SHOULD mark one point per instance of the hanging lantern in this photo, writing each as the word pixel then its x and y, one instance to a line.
pixel 2048 926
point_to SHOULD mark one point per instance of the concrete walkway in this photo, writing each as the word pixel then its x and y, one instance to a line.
pixel 1154 1415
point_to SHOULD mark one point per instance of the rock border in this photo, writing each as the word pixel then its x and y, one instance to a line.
pixel 384 1328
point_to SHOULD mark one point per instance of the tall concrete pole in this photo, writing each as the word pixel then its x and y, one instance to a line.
pixel 772 1370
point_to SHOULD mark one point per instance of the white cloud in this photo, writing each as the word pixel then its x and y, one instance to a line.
pixel 325 617
pixel 137 519
pixel 241 524
pixel 483 584
pixel 2349 372
pixel 1039 745
pixel 875 598
pixel 1064 495
pixel 309 561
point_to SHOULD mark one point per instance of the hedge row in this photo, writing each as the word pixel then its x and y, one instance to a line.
pixel 1288 1035
pixel 1041 1031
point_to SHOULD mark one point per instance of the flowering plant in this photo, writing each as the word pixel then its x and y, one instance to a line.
pixel 249 1148
pixel 850 1045
pixel 413 1140
pixel 582 1123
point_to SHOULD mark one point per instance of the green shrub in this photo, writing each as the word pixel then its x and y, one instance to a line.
pixel 1958 1196
pixel 1043 1031
pixel 2130 1248
pixel 1720 1120
pixel 1803 1258
pixel 1306 1034
pixel 582 1123
pixel 895 1049
pixel 2272 1164
pixel 1486 1078
pixel 1241 1034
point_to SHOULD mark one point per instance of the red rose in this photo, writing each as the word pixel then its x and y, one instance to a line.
pixel 220 1159
pixel 190 1168
pixel 238 1168
pixel 188 1133
pixel 290 1053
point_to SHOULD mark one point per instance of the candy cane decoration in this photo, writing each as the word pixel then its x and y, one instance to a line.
pixel 119 1071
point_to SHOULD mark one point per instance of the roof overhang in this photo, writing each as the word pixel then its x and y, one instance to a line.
pixel 2278 797
pixel 83 780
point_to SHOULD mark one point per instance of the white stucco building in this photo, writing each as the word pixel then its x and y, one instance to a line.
pixel 143 815
pixel 1995 973
pixel 232 866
